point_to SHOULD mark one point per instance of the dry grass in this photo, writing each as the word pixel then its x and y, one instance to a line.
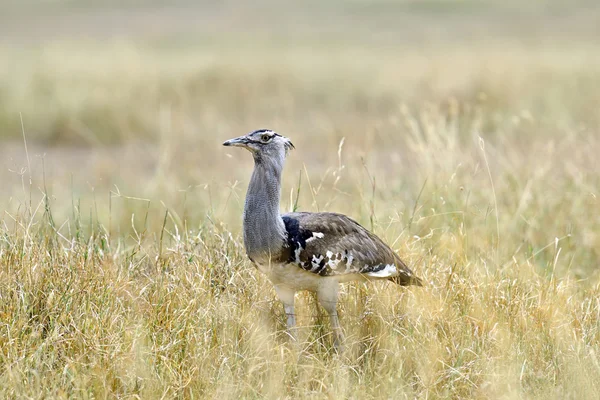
pixel 122 272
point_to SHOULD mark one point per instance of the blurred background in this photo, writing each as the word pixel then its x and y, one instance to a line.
pixel 466 134
pixel 122 107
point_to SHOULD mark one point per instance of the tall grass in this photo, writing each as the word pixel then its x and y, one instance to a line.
pixel 122 272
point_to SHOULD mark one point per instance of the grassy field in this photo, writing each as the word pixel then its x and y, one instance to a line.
pixel 466 135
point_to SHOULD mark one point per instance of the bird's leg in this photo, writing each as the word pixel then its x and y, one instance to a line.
pixel 327 296
pixel 291 320
pixel 338 334
pixel 286 295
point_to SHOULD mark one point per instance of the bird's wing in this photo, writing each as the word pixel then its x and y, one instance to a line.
pixel 331 244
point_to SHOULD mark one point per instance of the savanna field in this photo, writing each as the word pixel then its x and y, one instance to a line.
pixel 465 134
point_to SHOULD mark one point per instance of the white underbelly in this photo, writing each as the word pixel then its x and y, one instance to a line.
pixel 298 279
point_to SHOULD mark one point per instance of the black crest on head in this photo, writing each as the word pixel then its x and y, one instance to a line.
pixel 263 131
pixel 289 146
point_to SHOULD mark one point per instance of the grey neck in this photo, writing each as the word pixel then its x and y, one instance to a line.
pixel 264 230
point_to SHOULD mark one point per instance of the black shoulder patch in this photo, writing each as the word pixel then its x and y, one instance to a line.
pixel 295 234
pixel 296 243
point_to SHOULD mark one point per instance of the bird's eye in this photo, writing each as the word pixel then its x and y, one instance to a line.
pixel 265 137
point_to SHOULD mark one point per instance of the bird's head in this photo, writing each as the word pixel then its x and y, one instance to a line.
pixel 264 144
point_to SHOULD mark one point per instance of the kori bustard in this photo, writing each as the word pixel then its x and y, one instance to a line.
pixel 302 250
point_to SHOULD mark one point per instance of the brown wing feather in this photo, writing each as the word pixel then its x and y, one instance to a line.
pixel 333 244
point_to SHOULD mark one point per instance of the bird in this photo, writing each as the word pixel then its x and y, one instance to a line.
pixel 312 251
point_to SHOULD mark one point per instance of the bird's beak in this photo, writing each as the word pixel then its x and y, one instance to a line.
pixel 241 141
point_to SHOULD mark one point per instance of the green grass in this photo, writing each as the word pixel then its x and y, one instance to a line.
pixel 122 268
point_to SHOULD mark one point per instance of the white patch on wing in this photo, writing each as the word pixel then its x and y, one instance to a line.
pixel 316 261
pixel 333 264
pixel 389 270
pixel 297 254
pixel 333 259
pixel 349 261
pixel 316 235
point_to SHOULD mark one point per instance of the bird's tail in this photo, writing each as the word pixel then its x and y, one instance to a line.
pixel 406 280
pixel 405 276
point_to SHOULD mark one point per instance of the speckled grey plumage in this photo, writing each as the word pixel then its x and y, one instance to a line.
pixel 264 230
